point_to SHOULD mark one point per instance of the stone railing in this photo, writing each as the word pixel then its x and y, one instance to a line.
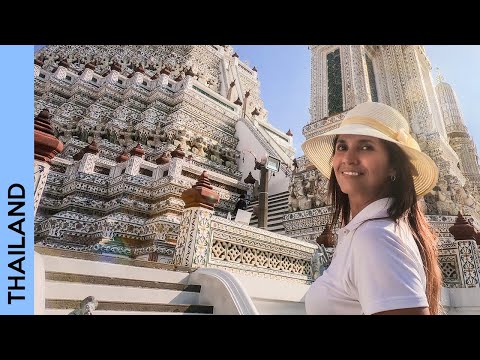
pixel 460 264
pixel 460 259
pixel 209 241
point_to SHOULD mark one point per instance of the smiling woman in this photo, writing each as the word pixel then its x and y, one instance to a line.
pixel 385 261
pixel 362 169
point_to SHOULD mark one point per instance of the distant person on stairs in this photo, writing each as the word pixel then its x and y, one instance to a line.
pixel 241 204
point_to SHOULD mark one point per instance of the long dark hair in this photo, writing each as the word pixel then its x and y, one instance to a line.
pixel 404 205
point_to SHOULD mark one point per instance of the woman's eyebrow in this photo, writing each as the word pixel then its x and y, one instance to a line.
pixel 359 141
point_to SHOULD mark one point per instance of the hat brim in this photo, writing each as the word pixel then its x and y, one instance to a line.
pixel 319 151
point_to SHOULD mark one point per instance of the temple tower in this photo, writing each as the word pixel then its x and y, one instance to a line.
pixel 457 133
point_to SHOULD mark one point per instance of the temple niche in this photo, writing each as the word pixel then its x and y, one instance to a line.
pixel 139 126
pixel 398 75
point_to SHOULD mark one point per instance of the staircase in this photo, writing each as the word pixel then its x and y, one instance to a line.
pixel 120 285
pixel 277 208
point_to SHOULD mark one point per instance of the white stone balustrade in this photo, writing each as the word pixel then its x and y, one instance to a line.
pixel 210 241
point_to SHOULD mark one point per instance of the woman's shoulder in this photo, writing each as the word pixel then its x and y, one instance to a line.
pixel 376 224
pixel 377 232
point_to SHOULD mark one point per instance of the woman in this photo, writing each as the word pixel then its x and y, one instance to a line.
pixel 386 259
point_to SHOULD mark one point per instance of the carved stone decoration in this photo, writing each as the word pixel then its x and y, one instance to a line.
pixel 137 151
pixel 46 145
pixel 178 152
pixel 87 306
pixel 91 148
pixel 463 230
pixel 122 157
pixel 326 238
pixel 201 194
pixel 163 159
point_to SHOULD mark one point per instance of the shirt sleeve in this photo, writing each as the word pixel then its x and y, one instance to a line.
pixel 385 275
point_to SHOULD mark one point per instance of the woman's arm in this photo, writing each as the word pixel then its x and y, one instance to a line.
pixel 407 311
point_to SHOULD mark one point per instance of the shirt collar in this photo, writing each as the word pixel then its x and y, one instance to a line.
pixel 376 209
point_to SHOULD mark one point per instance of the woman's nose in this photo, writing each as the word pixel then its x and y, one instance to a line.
pixel 350 157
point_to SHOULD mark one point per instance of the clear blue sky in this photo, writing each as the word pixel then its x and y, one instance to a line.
pixel 284 74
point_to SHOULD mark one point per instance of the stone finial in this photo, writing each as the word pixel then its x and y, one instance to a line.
pixel 155 77
pixel 46 145
pixel 255 69
pixel 39 60
pixel 289 132
pixel 247 94
pixel 463 230
pixel 116 66
pixel 201 194
pixel 139 68
pixel 326 237
pixel 91 148
pixel 255 112
pixel 137 151
pixel 165 70
pixel 190 72
pixel 91 65
pixel 232 84
pixel 163 159
pixel 63 63
pixel 122 157
pixel 249 179
pixel 178 152
pixel 235 55
pixel 238 101
pixel 179 78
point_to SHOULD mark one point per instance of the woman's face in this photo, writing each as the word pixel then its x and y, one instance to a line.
pixel 362 167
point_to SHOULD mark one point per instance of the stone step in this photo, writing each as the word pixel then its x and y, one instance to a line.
pixel 113 270
pixel 104 280
pixel 279 206
pixel 107 258
pixel 130 306
pixel 283 195
pixel 111 293
pixel 270 201
pixel 272 215
pixel 113 312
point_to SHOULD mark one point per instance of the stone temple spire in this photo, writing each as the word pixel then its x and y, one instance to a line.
pixel 457 132
pixel 439 76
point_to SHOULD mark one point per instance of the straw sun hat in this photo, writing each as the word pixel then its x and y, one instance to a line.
pixel 380 121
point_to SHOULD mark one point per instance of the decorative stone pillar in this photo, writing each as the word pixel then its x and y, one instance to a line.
pixel 326 237
pixel 47 146
pixel 176 162
pixel 359 76
pixel 195 233
pixel 88 72
pixel 162 80
pixel 87 156
pixel 468 240
pixel 136 158
pixel 137 77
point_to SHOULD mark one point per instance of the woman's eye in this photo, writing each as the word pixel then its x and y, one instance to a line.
pixel 341 147
pixel 366 147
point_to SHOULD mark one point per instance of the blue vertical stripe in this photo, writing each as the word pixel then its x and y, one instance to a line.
pixel 16 146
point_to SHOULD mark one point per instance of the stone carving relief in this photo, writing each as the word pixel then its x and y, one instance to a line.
pixel 198 146
pixel 450 198
pixel 181 139
pixel 307 190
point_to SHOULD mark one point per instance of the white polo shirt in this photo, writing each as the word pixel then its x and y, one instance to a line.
pixel 376 267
